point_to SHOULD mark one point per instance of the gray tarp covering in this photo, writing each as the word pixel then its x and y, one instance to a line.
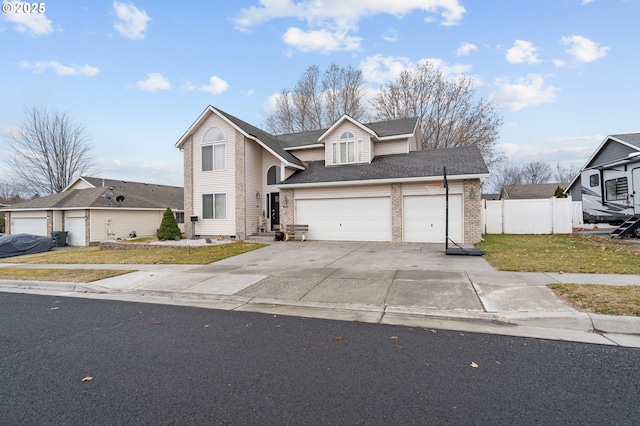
pixel 17 244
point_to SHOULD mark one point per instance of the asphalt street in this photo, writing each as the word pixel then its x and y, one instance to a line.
pixel 160 364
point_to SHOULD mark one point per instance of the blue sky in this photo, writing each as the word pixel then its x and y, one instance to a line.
pixel 564 73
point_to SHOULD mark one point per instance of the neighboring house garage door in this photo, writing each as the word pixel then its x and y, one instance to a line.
pixel 76 229
pixel 346 219
pixel 29 225
pixel 424 218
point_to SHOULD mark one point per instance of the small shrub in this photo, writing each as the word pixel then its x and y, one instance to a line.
pixel 1 225
pixel 169 227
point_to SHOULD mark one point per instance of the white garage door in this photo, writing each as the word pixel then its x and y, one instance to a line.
pixel 346 219
pixel 29 225
pixel 76 229
pixel 424 218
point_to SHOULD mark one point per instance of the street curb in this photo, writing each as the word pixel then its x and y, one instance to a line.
pixel 566 326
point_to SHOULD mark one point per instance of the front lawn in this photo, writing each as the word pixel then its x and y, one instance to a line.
pixel 160 255
pixel 601 299
pixel 561 253
pixel 59 275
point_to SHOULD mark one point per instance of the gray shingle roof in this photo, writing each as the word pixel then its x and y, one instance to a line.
pixel 403 126
pixel 415 164
pixel 136 195
pixel 630 138
pixel 266 138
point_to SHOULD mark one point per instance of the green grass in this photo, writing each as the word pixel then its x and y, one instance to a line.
pixel 160 255
pixel 561 253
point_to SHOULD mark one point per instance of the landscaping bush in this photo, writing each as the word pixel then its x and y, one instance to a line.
pixel 1 225
pixel 169 227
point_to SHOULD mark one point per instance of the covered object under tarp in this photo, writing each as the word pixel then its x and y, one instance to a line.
pixel 18 244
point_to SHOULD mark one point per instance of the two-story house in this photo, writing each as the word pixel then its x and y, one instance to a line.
pixel 350 182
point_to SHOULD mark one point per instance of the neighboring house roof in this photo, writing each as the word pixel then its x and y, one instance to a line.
pixel 462 162
pixel 136 195
pixel 529 191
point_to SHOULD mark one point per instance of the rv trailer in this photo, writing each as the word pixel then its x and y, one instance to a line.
pixel 608 191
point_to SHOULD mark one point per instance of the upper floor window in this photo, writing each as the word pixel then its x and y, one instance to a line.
pixel 348 151
pixel 347 135
pixel 273 175
pixel 214 150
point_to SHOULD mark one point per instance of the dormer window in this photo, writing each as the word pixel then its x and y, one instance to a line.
pixel 347 135
pixel 347 150
pixel 214 150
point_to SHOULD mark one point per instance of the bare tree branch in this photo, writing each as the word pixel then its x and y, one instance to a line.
pixel 49 151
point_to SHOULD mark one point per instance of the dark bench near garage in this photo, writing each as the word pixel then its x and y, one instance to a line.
pixel 291 231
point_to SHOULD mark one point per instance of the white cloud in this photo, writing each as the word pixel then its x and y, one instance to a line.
pixel 153 83
pixel 559 63
pixel 465 49
pixel 132 22
pixel 330 22
pixel 523 52
pixel 583 49
pixel 62 70
pixel 215 87
pixel 526 91
pixel 391 36
pixel 321 40
pixel 32 24
pixel 586 2
pixel 380 69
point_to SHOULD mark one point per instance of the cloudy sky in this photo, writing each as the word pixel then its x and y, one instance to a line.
pixel 563 73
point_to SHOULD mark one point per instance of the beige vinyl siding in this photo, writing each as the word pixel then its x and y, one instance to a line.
pixel 31 214
pixel 253 170
pixel 74 213
pixel 80 184
pixel 358 134
pixel 421 188
pixel 214 181
pixel 309 154
pixel 391 147
pixel 343 192
pixel 112 224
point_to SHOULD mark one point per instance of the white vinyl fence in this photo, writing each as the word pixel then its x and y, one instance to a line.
pixel 534 216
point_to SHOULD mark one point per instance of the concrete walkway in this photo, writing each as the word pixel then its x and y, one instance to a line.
pixel 404 284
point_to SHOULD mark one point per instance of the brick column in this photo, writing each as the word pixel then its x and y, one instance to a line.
pixel 287 215
pixel 472 205
pixel 396 212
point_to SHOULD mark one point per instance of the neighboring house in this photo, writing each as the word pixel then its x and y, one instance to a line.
pixel 530 191
pixel 95 209
pixel 606 185
pixel 352 181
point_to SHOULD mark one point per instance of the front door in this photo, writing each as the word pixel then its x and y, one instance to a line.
pixel 635 195
pixel 275 210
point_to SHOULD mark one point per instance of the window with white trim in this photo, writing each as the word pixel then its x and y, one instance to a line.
pixel 214 206
pixel 214 150
pixel 347 151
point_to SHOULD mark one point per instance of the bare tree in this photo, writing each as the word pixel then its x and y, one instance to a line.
pixel 505 176
pixel 11 193
pixel 449 114
pixel 565 174
pixel 316 102
pixel 536 172
pixel 49 151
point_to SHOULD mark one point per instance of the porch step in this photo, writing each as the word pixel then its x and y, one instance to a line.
pixel 626 228
pixel 262 237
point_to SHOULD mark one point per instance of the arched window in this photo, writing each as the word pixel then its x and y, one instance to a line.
pixel 346 135
pixel 214 150
pixel 214 134
pixel 273 175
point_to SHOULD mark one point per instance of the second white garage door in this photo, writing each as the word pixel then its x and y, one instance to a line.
pixel 346 219
pixel 424 218
pixel 76 228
